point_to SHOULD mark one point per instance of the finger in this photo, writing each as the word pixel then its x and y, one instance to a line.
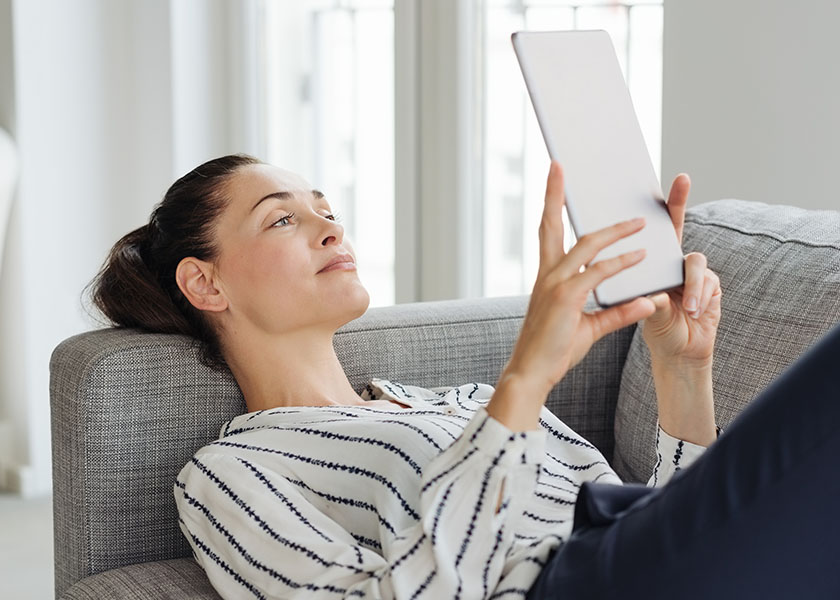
pixel 588 247
pixel 695 276
pixel 677 199
pixel 711 286
pixel 663 317
pixel 551 225
pixel 604 269
pixel 616 317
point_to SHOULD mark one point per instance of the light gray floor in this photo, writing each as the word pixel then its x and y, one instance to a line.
pixel 26 548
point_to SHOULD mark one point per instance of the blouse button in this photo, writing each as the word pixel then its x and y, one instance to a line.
pixel 450 410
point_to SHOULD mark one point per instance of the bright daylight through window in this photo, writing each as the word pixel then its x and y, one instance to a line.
pixel 329 68
pixel 330 117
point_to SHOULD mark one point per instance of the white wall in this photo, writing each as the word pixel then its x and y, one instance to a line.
pixel 7 121
pixel 7 89
pixel 750 99
pixel 102 91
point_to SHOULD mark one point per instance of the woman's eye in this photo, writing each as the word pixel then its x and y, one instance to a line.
pixel 282 221
pixel 287 220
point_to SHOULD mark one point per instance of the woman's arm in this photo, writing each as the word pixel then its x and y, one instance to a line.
pixel 681 338
pixel 556 333
pixel 679 326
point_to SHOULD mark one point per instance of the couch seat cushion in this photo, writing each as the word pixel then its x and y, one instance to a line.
pixel 180 578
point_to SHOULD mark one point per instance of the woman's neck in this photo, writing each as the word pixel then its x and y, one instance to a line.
pixel 301 369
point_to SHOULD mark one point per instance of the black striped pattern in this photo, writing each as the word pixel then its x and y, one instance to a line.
pixel 372 502
pixel 672 455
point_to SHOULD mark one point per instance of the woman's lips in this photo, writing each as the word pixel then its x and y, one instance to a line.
pixel 340 263
pixel 342 266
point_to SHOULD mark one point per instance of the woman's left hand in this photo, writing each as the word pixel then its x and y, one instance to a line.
pixel 682 330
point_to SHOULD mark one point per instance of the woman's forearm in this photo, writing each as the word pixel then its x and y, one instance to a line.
pixel 685 400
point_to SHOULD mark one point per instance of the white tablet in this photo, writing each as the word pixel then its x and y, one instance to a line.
pixel 589 126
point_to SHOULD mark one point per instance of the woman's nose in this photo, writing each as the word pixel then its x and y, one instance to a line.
pixel 334 233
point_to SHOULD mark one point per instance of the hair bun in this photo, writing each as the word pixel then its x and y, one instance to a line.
pixel 136 286
pixel 128 292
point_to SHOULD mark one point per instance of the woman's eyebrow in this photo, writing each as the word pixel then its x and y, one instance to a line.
pixel 316 194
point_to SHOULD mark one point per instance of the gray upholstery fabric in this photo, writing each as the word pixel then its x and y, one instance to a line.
pixel 126 409
pixel 181 578
pixel 130 408
pixel 780 274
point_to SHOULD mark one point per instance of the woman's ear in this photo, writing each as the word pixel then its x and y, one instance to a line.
pixel 195 280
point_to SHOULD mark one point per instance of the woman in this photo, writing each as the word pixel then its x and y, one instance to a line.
pixel 465 492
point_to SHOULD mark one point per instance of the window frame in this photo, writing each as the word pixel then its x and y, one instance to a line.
pixel 438 150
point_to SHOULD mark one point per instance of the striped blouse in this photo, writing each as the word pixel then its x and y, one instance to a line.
pixel 438 500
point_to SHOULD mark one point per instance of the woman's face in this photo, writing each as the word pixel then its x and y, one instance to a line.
pixel 275 237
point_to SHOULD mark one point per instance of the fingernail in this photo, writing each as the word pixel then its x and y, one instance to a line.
pixel 691 305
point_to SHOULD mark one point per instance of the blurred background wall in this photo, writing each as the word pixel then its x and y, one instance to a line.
pixel 750 99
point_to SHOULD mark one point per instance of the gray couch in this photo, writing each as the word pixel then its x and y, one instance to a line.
pixel 129 408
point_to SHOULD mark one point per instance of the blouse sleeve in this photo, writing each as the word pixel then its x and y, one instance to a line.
pixel 672 454
pixel 277 545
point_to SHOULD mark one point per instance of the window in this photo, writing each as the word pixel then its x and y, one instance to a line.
pixel 472 162
pixel 330 116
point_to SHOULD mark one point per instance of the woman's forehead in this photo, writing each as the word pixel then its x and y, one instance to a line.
pixel 255 181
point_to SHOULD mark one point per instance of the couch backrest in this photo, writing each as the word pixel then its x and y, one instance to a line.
pixel 779 268
pixel 130 408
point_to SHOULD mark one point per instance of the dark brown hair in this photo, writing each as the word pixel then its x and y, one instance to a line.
pixel 136 286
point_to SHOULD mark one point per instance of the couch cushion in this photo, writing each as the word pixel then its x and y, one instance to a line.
pixel 779 268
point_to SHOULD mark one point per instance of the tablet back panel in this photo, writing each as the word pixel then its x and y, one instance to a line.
pixel 589 125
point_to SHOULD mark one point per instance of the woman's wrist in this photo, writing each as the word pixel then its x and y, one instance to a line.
pixel 685 400
pixel 517 401
pixel 693 366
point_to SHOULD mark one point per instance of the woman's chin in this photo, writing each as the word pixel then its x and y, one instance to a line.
pixel 347 304
pixel 358 301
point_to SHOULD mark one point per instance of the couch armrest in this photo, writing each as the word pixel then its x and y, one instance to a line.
pixel 178 579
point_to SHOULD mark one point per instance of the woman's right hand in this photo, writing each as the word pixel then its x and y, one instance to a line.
pixel 556 332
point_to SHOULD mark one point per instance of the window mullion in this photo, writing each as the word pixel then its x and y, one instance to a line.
pixel 406 149
pixel 437 172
